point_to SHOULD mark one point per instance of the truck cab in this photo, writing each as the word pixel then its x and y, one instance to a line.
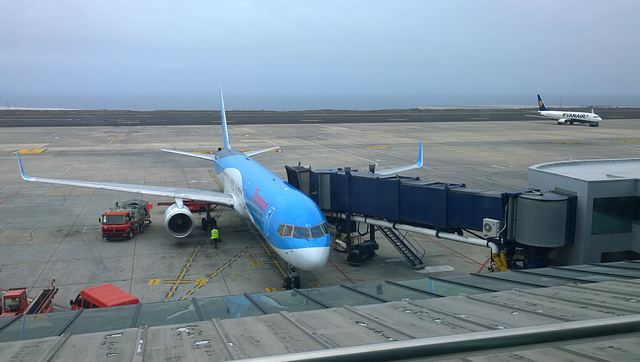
pixel 106 295
pixel 116 224
pixel 15 302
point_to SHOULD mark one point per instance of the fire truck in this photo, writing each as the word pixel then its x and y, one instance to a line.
pixel 126 219
pixel 15 301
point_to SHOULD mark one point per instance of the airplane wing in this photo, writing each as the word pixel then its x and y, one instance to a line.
pixel 532 115
pixel 251 153
pixel 219 198
pixel 418 164
pixel 212 157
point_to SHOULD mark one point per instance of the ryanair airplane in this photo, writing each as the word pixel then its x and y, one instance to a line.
pixel 567 117
pixel 288 220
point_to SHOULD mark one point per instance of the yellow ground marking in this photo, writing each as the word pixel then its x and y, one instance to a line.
pixel 35 150
pixel 218 182
pixel 629 141
pixel 270 289
pixel 113 140
pixel 251 256
pixel 154 281
pixel 202 281
pixel 177 282
pixel 169 295
pixel 379 147
pixel 255 263
pixel 273 260
pixel 183 298
pixel 316 285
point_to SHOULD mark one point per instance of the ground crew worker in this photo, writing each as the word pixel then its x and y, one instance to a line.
pixel 214 237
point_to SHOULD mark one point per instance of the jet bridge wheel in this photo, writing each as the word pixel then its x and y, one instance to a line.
pixel 354 258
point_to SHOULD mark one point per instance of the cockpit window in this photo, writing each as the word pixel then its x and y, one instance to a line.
pixel 300 232
pixel 303 232
pixel 316 231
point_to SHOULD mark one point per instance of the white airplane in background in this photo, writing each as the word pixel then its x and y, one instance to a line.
pixel 288 220
pixel 568 117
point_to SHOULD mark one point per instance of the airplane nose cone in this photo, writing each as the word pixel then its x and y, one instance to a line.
pixel 311 259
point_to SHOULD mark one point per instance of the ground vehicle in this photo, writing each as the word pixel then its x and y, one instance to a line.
pixel 15 301
pixel 101 296
pixel 125 220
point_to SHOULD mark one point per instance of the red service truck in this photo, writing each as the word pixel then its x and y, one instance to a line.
pixel 126 219
pixel 15 302
pixel 106 295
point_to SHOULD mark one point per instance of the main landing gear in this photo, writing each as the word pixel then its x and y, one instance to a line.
pixel 293 280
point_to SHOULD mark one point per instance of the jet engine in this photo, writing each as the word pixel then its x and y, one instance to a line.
pixel 178 221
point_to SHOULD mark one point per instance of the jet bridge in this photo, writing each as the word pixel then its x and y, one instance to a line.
pixel 521 227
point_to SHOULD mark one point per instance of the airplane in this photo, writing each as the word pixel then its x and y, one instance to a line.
pixel 568 117
pixel 288 220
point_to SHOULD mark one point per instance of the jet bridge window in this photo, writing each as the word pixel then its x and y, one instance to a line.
pixel 612 215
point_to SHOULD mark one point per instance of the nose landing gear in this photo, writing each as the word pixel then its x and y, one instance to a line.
pixel 293 280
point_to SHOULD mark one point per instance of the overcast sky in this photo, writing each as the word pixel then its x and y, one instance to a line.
pixel 290 55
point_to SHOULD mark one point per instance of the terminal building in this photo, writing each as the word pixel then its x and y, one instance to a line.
pixel 607 208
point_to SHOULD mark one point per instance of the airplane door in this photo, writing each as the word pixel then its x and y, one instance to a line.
pixel 267 220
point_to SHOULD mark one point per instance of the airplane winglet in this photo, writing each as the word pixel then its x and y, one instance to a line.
pixel 24 176
pixel 225 133
pixel 418 164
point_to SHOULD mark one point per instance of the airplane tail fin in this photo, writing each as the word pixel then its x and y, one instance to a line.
pixel 225 133
pixel 541 104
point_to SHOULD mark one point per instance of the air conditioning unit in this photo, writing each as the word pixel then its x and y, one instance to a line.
pixel 490 228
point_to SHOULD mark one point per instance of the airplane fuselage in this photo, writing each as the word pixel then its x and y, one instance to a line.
pixel 564 117
pixel 289 220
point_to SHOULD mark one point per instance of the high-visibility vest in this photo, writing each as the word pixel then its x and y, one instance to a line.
pixel 214 233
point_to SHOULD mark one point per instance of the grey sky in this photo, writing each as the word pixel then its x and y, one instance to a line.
pixel 150 54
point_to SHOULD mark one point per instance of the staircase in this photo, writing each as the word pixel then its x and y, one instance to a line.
pixel 404 246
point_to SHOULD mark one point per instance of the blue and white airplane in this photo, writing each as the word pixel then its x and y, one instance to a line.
pixel 568 117
pixel 287 219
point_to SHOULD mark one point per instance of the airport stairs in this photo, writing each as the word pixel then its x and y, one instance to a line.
pixel 404 246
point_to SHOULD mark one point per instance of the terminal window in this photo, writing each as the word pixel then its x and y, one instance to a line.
pixel 613 215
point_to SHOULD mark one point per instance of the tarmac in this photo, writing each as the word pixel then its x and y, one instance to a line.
pixel 52 232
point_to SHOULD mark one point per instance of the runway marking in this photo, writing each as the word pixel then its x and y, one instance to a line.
pixel 629 141
pixel 113 140
pixel 567 143
pixel 12 195
pixel 154 282
pixel 310 120
pixel 379 147
pixel 397 119
pixel 35 150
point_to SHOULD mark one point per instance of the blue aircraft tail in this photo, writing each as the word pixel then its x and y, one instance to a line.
pixel 225 133
pixel 541 104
